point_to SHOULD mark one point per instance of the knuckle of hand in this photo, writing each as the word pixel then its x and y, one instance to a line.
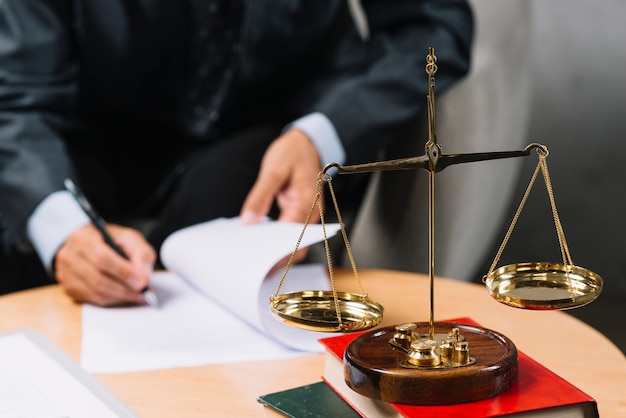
pixel 100 286
pixel 100 257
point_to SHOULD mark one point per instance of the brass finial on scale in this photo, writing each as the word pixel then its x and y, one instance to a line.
pixel 435 363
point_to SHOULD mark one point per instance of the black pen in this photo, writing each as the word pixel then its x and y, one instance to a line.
pixel 99 223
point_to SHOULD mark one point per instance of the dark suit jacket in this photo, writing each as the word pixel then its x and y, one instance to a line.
pixel 93 73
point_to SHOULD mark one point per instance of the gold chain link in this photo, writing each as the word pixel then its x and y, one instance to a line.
pixel 345 238
pixel 318 195
pixel 331 273
pixel 318 201
pixel 542 166
pixel 567 259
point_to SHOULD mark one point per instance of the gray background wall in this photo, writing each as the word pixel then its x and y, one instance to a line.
pixel 579 112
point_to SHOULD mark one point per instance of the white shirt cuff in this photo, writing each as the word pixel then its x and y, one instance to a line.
pixel 323 134
pixel 52 222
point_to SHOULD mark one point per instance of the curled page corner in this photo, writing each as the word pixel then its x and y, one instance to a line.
pixel 299 277
pixel 228 261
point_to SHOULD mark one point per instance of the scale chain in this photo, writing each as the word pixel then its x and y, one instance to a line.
pixel 542 166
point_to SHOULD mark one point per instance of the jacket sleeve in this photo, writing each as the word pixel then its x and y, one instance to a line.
pixel 378 104
pixel 37 93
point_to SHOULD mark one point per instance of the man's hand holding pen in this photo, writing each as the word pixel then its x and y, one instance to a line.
pixel 91 271
pixel 104 264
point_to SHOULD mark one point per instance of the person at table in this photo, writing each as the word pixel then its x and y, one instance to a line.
pixel 190 110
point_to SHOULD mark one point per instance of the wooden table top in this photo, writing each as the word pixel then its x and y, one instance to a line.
pixel 569 347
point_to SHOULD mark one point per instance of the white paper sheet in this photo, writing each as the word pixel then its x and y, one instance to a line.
pixel 214 302
pixel 227 261
pixel 38 380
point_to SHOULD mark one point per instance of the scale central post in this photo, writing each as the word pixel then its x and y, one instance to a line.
pixel 433 152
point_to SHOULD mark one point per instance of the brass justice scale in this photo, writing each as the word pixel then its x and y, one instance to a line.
pixel 435 363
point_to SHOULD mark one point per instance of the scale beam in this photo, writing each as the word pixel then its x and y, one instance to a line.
pixel 426 162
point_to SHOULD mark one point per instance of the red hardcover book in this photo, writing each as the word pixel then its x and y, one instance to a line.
pixel 538 392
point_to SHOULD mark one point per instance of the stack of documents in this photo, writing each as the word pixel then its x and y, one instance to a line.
pixel 214 302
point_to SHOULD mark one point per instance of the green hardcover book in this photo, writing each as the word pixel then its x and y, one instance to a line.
pixel 309 401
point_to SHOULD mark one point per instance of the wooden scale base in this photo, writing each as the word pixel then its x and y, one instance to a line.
pixel 374 368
